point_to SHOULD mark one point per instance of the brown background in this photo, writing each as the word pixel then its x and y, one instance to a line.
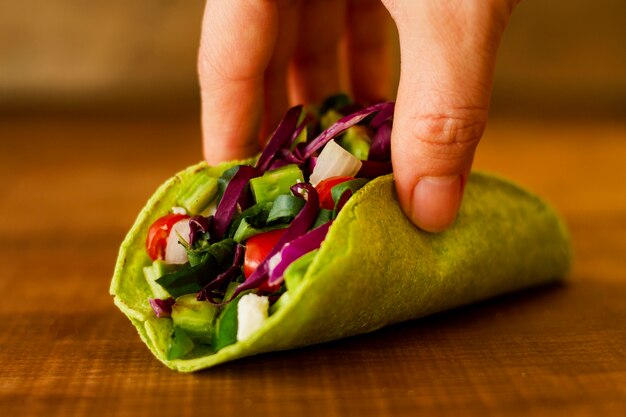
pixel 98 105
pixel 558 57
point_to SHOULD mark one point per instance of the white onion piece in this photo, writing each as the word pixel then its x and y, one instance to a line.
pixel 175 253
pixel 334 161
pixel 252 311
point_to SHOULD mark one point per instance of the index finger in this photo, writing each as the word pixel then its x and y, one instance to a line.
pixel 236 45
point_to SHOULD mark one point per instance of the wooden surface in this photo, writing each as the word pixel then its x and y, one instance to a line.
pixel 71 189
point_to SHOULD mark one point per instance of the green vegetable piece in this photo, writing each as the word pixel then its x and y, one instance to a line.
pixel 329 118
pixel 282 301
pixel 352 185
pixel 286 207
pixel 154 272
pixel 357 141
pixel 230 290
pixel 188 279
pixel 294 273
pixel 199 194
pixel 275 182
pixel 226 326
pixel 194 317
pixel 324 216
pixel 180 344
pixel 245 230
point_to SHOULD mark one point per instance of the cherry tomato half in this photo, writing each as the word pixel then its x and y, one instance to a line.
pixel 158 233
pixel 324 188
pixel 257 249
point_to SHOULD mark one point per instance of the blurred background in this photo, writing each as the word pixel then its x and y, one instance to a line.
pixel 559 58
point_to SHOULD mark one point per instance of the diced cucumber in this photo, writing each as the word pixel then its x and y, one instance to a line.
pixel 180 344
pixel 199 194
pixel 154 272
pixel 194 317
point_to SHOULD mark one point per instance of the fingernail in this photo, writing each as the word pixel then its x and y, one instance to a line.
pixel 436 201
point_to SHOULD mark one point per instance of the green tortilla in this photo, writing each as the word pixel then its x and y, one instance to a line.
pixel 374 268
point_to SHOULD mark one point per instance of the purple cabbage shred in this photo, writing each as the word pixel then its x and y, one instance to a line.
pixel 280 138
pixel 295 249
pixel 162 308
pixel 299 226
pixel 237 186
pixel 198 225
pixel 380 149
pixel 341 126
pixel 373 169
pixel 223 279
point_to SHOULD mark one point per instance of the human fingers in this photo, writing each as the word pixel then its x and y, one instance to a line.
pixel 369 39
pixel 276 97
pixel 448 54
pixel 237 42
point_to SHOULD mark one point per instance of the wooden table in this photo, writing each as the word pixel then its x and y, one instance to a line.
pixel 71 188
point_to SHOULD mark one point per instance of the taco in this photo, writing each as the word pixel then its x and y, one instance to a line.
pixel 307 244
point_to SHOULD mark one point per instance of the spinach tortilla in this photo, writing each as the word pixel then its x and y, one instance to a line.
pixel 374 267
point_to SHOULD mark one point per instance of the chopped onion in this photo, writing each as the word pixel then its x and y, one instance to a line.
pixel 334 161
pixel 175 252
pixel 252 311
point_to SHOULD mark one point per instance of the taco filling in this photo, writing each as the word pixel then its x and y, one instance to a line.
pixel 233 248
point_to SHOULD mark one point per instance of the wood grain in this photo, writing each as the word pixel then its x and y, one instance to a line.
pixel 71 189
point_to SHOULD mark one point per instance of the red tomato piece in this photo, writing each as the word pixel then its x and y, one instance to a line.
pixel 158 233
pixel 257 249
pixel 324 188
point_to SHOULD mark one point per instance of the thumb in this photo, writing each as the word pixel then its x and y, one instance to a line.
pixel 447 60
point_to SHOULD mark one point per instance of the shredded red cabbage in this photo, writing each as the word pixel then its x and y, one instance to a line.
pixel 290 157
pixel 373 169
pixel 226 208
pixel 380 150
pixel 206 293
pixel 383 116
pixel 307 119
pixel 198 225
pixel 281 137
pixel 162 308
pixel 295 249
pixel 341 126
pixel 299 226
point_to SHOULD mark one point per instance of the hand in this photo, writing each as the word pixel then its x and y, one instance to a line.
pixel 257 56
